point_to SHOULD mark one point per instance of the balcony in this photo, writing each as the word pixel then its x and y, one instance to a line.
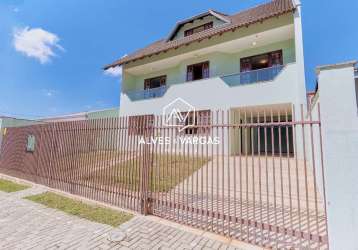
pixel 233 80
pixel 356 73
pixel 254 76
pixel 147 93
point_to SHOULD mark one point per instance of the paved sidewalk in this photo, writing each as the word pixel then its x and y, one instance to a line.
pixel 28 225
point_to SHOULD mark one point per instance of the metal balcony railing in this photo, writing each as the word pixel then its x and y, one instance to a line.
pixel 147 93
pixel 254 76
pixel 250 77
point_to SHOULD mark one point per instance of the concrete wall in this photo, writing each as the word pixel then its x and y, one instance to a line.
pixel 339 114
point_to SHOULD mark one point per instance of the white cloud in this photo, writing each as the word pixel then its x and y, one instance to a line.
pixel 114 71
pixel 37 43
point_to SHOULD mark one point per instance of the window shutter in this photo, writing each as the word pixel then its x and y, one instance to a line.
pixel 146 83
pixel 245 65
pixel 163 80
pixel 275 58
pixel 189 73
pixel 206 70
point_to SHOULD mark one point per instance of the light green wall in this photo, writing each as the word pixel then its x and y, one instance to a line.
pixel 108 113
pixel 198 22
pixel 220 64
pixel 8 122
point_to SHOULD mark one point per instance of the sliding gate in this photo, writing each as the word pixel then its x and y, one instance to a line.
pixel 262 183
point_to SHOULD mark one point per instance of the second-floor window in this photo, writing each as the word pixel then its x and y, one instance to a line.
pixel 155 82
pixel 262 61
pixel 198 29
pixel 252 68
pixel 197 71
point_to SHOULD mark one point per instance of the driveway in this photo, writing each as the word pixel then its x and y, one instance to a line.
pixel 268 190
pixel 28 225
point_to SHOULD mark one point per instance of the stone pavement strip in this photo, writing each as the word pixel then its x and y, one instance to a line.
pixel 27 225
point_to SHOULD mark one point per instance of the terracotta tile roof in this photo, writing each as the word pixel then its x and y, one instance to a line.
pixel 241 19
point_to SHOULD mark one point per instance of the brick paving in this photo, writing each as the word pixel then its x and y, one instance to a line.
pixel 28 225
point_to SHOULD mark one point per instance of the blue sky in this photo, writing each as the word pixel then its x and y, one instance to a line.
pixel 85 35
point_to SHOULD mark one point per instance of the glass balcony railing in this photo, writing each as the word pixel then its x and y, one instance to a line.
pixel 243 78
pixel 254 76
pixel 147 93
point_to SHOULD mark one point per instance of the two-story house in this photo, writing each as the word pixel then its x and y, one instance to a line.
pixel 251 60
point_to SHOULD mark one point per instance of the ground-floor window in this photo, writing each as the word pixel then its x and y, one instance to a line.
pixel 271 139
pixel 198 123
pixel 140 124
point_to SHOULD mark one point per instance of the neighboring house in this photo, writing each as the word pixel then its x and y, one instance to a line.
pixel 89 115
pixel 249 61
pixel 11 122
pixel 105 113
pixel 66 118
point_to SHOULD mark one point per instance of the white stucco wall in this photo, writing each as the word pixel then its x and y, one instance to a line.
pixel 215 94
pixel 337 98
pixel 301 90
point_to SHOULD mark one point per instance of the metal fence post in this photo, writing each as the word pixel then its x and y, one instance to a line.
pixel 146 166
